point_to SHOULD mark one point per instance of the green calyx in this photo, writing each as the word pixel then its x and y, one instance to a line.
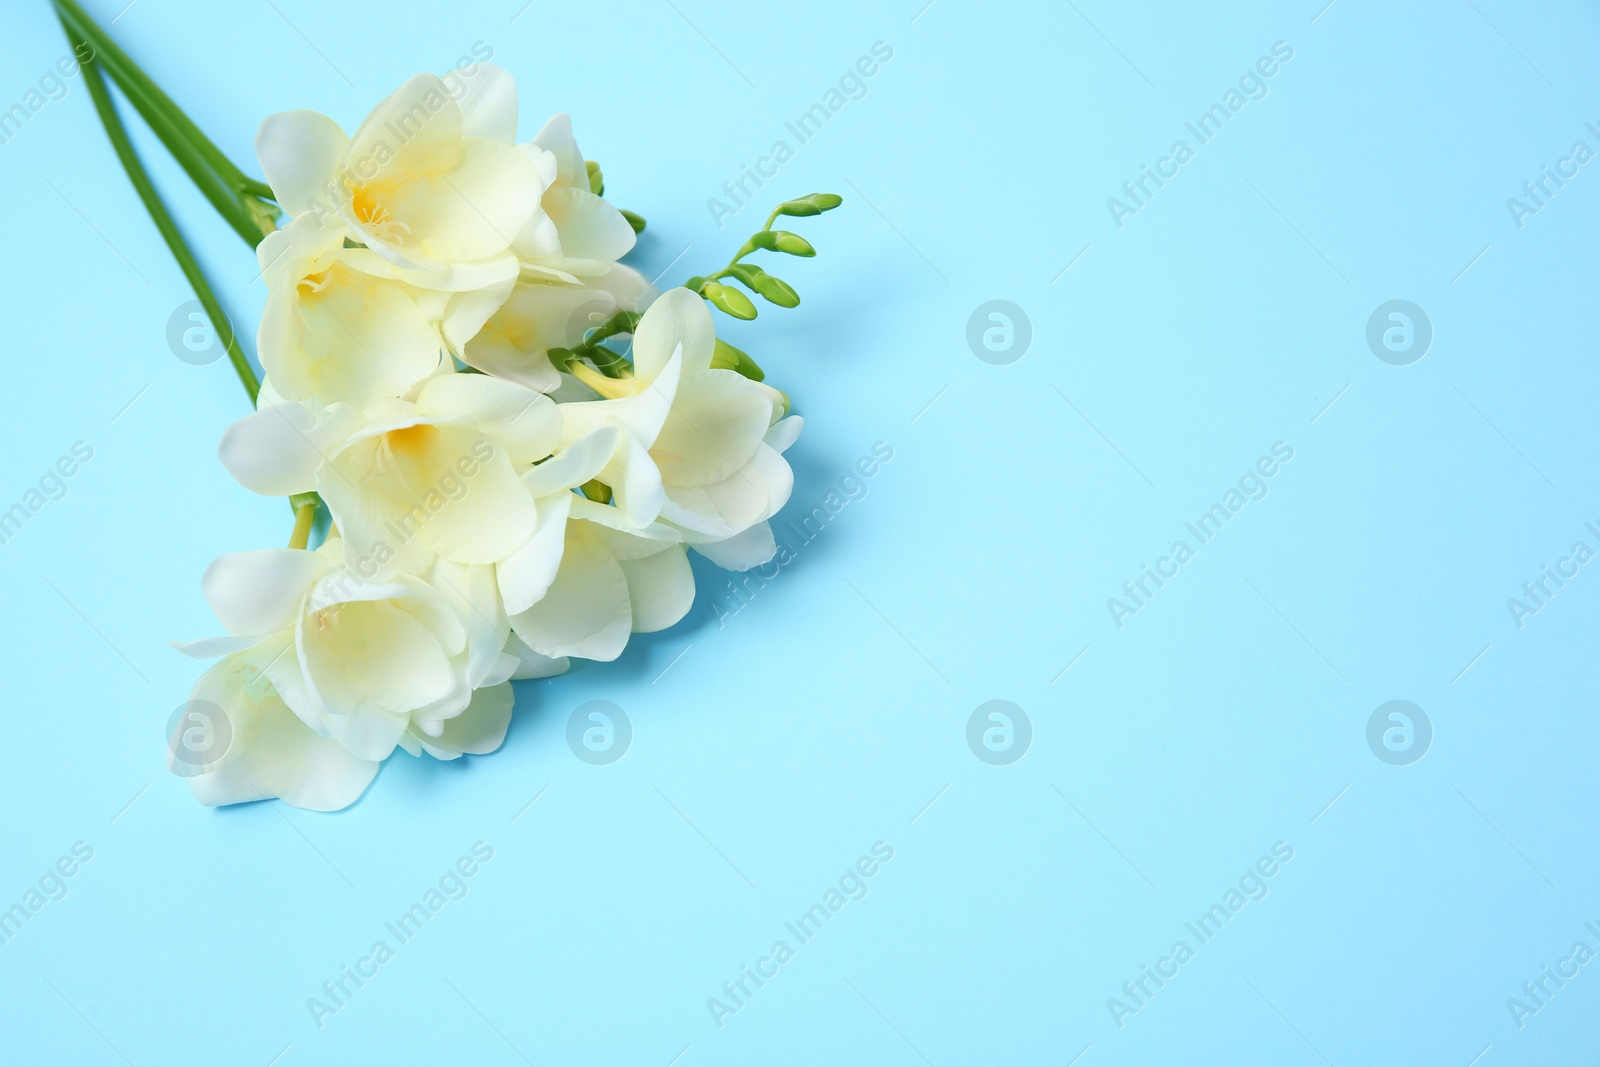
pixel 607 361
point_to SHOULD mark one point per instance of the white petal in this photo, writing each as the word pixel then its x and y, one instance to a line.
pixel 678 317
pixel 532 665
pixel 748 548
pixel 525 575
pixel 535 318
pixel 260 592
pixel 488 521
pixel 619 533
pixel 474 597
pixel 415 130
pixel 271 452
pixel 304 769
pixel 556 138
pixel 589 227
pixel 371 657
pixel 642 414
pixel 635 482
pixel 474 210
pixel 784 433
pixel 272 753
pixel 752 494
pixel 586 610
pixel 300 152
pixel 466 314
pixel 480 729
pixel 213 647
pixel 525 422
pixel 487 96
pixel 572 466
pixel 353 338
pixel 718 420
pixel 660 589
pixel 284 254
pixel 631 290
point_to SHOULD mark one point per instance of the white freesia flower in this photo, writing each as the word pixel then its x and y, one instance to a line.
pixel 266 750
pixel 334 327
pixel 577 234
pixel 404 479
pixel 537 316
pixel 345 324
pixel 370 665
pixel 588 577
pixel 426 182
pixel 705 444
pixel 613 580
pixel 571 280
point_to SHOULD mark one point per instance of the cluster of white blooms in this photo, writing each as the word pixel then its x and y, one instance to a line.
pixel 502 493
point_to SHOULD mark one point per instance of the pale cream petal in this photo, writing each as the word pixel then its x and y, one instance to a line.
pixel 679 318
pixel 525 575
pixel 478 730
pixel 589 227
pixel 660 588
pixel 300 153
pixel 586 610
pixel 260 591
pixel 487 96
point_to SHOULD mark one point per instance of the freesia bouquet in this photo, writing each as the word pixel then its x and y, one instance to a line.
pixel 515 437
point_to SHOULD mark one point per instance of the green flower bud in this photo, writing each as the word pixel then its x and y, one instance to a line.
pixel 814 204
pixel 636 221
pixel 727 357
pixel 783 241
pixel 597 180
pixel 729 300
pixel 775 290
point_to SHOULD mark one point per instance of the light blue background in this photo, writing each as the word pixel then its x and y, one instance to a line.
pixel 1228 714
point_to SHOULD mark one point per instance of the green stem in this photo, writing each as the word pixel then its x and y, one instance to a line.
pixel 158 214
pixel 606 361
pixel 744 250
pixel 304 516
pixel 223 183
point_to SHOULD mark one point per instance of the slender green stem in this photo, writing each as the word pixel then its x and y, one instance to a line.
pixel 125 70
pixel 304 516
pixel 223 183
pixel 744 250
pixel 158 213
